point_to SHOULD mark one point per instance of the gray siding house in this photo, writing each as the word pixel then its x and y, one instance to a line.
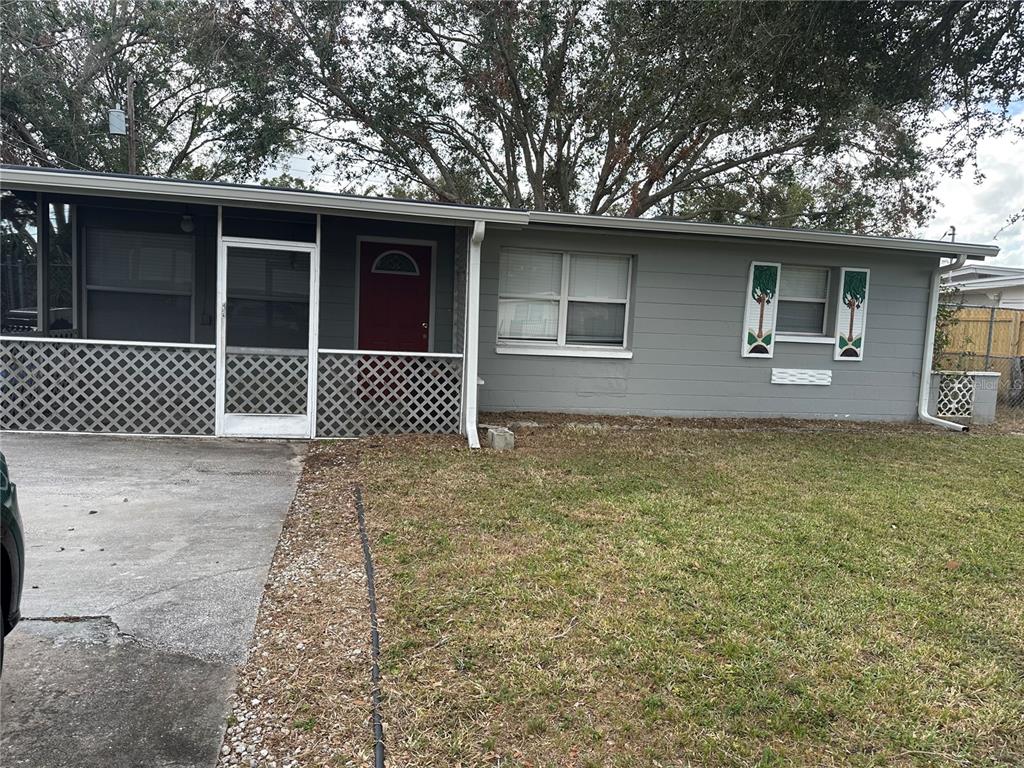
pixel 157 306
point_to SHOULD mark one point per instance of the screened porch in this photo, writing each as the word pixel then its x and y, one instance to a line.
pixel 123 315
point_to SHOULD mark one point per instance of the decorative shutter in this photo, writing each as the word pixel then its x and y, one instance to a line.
pixel 759 316
pixel 851 313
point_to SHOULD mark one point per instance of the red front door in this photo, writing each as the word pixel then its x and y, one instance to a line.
pixel 394 296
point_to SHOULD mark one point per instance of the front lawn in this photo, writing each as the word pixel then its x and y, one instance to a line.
pixel 649 596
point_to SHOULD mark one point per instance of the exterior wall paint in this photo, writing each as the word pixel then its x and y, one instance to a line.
pixel 686 322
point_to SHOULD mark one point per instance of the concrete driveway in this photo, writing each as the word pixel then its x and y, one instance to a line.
pixel 146 560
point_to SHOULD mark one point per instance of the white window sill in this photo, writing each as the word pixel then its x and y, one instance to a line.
pixel 798 339
pixel 614 353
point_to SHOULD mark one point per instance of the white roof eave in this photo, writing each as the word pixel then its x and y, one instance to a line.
pixel 930 247
pixel 213 193
pixel 988 283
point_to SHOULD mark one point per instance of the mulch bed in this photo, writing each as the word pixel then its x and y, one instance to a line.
pixel 303 697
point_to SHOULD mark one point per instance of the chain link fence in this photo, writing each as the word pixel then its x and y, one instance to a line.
pixel 989 339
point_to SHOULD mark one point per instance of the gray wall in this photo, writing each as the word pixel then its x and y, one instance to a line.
pixel 338 271
pixel 686 319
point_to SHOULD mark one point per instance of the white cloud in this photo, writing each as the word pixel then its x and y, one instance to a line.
pixel 979 211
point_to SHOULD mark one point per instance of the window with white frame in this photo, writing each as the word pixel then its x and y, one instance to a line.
pixel 563 299
pixel 803 300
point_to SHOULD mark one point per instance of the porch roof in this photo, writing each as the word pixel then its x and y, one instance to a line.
pixel 213 193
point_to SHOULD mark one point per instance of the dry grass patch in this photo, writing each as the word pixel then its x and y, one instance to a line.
pixel 631 596
pixel 634 593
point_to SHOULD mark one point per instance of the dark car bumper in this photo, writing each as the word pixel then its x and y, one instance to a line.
pixel 13 547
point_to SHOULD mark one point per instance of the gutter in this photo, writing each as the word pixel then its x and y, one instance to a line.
pixel 472 335
pixel 929 344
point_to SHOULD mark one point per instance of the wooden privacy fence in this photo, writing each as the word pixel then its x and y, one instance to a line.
pixel 988 339
pixel 987 332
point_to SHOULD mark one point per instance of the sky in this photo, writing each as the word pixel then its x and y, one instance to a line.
pixel 980 211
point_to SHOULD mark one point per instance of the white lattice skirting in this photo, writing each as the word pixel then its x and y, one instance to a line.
pixel 361 394
pixel 265 382
pixel 132 388
pixel 89 387
pixel 956 396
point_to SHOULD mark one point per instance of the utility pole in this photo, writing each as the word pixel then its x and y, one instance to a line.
pixel 132 136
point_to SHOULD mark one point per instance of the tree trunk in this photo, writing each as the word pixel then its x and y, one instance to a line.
pixel 760 321
pixel 853 309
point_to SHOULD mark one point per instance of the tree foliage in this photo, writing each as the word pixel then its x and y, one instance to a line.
pixel 947 317
pixel 808 114
pixel 793 113
pixel 66 62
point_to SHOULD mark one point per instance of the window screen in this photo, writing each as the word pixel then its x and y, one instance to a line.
pixel 140 260
pixel 19 251
pixel 268 298
pixel 139 285
pixel 138 316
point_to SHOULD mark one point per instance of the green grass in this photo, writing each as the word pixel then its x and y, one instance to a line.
pixel 673 597
pixel 305 724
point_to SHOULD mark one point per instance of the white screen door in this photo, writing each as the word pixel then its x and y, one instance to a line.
pixel 266 337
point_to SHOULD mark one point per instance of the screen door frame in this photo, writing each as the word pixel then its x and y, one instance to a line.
pixel 267 425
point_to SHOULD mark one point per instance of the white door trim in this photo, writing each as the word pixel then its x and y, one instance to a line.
pixel 271 425
pixel 431 320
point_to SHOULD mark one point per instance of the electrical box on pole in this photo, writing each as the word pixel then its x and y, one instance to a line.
pixel 117 125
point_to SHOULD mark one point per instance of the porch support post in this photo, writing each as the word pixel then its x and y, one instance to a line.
pixel 313 363
pixel 42 266
pixel 220 323
pixel 471 337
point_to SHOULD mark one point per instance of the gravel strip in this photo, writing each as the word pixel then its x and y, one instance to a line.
pixel 303 696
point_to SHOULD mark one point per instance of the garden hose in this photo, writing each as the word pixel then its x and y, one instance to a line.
pixel 378 727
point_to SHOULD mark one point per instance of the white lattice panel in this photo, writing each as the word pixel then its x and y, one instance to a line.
pixel 821 377
pixel 80 387
pixel 265 383
pixel 381 394
pixel 956 396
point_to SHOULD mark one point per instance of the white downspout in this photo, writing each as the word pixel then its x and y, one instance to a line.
pixel 472 336
pixel 929 343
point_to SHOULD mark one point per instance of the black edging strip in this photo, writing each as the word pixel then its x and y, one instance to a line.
pixel 378 728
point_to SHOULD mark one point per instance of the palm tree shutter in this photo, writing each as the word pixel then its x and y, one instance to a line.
pixel 851 313
pixel 759 317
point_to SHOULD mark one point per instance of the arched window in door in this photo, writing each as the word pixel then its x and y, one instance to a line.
pixel 395 262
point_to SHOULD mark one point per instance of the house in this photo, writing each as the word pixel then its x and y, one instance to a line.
pixel 157 306
pixel 988 286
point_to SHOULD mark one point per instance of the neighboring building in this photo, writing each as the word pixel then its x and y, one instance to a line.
pixel 134 304
pixel 988 286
